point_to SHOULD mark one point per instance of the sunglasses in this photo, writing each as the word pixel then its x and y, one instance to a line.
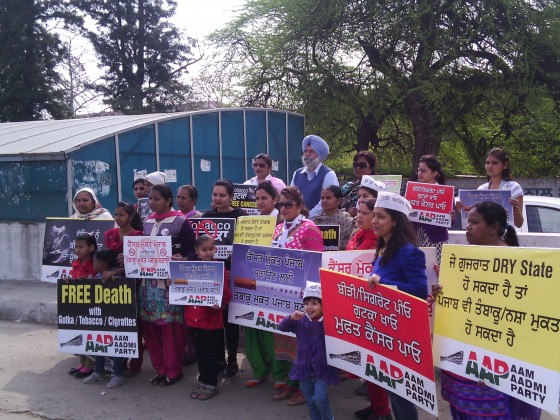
pixel 361 165
pixel 287 204
pixel 259 165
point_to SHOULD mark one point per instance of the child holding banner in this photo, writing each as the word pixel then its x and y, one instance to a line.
pixel 85 246
pixel 222 195
pixel 310 367
pixel 487 225
pixel 103 261
pixel 399 263
pixel 207 325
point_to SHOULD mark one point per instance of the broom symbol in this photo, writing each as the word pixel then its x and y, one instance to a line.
pixel 354 357
pixel 76 341
pixel 456 358
pixel 248 316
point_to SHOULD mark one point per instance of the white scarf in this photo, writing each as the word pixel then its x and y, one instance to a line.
pixel 287 227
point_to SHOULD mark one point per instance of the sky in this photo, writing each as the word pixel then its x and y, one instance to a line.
pixel 201 19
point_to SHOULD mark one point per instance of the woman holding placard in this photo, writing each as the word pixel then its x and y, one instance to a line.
pixel 429 172
pixel 399 263
pixel 163 323
pixel 498 171
pixel 294 232
pixel 88 207
pixel 365 163
pixel 222 195
pixel 469 400
pixel 259 344
pixel 333 215
pixel 262 165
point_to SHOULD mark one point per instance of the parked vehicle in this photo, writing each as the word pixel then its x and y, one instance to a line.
pixel 541 214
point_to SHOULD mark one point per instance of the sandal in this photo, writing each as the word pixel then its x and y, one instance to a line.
pixel 158 379
pixel 278 385
pixel 252 383
pixel 207 392
pixel 75 369
pixel 297 399
pixel 171 381
pixel 283 395
pixel 197 390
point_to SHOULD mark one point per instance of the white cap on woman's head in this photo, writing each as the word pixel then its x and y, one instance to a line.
pixel 369 182
pixel 155 178
pixel 390 200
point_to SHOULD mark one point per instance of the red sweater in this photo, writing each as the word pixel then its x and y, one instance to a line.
pixel 205 317
pixel 82 271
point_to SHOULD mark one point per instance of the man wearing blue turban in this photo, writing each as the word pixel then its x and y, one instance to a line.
pixel 314 176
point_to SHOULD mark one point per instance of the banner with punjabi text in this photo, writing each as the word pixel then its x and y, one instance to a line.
pixel 222 230
pixel 97 318
pixel 360 264
pixel 469 198
pixel 255 230
pixel 147 256
pixel 381 335
pixel 199 283
pixel 432 204
pixel 392 182
pixel 267 284
pixel 245 196
pixel 498 320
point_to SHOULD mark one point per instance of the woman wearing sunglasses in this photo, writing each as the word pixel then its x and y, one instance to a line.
pixel 365 163
pixel 262 165
pixel 294 232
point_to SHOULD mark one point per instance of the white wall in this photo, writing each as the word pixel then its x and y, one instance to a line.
pixel 22 253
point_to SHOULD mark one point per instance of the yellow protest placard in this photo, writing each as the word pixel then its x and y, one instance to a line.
pixel 498 319
pixel 255 230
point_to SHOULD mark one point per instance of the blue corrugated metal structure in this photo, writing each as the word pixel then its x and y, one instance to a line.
pixel 42 163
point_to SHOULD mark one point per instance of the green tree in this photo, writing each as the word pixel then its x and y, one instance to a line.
pixel 29 54
pixel 398 75
pixel 143 54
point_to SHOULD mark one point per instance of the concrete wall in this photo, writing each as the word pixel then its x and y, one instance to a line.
pixel 22 255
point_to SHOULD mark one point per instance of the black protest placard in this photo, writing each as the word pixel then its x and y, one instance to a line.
pixel 222 230
pixel 97 318
pixel 331 237
pixel 245 196
pixel 58 247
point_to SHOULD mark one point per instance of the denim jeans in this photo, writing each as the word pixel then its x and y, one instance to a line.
pixel 402 408
pixel 118 365
pixel 315 392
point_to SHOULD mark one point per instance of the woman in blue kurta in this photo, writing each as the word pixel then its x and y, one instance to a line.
pixel 399 263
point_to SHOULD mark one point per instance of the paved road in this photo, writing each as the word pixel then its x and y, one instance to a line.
pixel 34 384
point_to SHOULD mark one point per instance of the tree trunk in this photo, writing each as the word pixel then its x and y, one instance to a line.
pixel 426 127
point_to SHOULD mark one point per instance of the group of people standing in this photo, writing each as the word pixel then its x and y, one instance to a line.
pixel 369 218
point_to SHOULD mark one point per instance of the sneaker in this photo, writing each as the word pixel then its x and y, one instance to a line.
pixel 115 381
pixel 94 377
pixel 231 370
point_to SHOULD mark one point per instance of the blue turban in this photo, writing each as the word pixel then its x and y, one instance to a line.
pixel 318 144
